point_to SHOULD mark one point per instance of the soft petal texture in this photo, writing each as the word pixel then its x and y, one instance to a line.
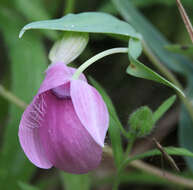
pixel 57 74
pixel 66 142
pixel 91 109
pixel 69 47
pixel 28 134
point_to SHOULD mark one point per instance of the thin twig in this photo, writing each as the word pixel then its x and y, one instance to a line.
pixel 166 155
pixel 12 98
pixel 175 179
pixel 172 178
pixel 185 19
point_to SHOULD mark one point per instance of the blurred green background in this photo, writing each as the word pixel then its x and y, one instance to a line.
pixel 22 65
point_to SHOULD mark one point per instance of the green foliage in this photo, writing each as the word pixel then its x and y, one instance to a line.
pixel 185 133
pixel 169 150
pixel 153 38
pixel 163 108
pixel 135 48
pixel 25 186
pixel 146 3
pixel 186 50
pixel 28 61
pixel 115 125
pixel 94 22
pixel 72 181
pixel 157 43
pixel 138 69
pixel 141 122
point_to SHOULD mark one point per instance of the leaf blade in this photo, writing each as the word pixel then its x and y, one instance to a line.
pixel 94 22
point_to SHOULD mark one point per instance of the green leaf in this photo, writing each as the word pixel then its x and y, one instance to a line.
pixel 115 124
pixel 32 10
pixel 27 64
pixel 134 177
pixel 155 41
pixel 135 48
pixel 25 186
pixel 73 181
pixel 35 10
pixel 170 150
pixel 138 69
pixel 185 132
pixel 186 50
pixel 94 22
pixel 163 108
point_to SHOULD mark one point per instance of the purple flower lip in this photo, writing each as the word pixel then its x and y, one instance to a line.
pixel 65 124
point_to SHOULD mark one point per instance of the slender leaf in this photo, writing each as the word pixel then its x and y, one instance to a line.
pixel 157 43
pixel 153 38
pixel 163 108
pixel 94 22
pixel 170 150
pixel 28 61
pixel 25 186
pixel 135 48
pixel 35 10
pixel 186 50
pixel 73 181
pixel 114 127
pixel 138 69
pixel 185 132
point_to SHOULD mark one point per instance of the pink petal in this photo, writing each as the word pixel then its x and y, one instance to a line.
pixel 91 109
pixel 67 143
pixel 29 134
pixel 57 74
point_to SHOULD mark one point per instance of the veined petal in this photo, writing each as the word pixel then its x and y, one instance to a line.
pixel 67 143
pixel 29 133
pixel 57 74
pixel 91 109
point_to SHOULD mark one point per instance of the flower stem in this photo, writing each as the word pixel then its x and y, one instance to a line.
pixel 129 146
pixel 69 6
pixel 12 98
pixel 96 58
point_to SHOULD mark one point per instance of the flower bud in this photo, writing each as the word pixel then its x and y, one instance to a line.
pixel 69 47
pixel 141 122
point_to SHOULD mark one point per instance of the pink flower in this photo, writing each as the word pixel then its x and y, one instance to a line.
pixel 66 123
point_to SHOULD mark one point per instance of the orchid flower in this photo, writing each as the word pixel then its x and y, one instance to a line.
pixel 66 123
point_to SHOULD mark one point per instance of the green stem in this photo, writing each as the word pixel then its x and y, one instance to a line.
pixel 69 6
pixel 96 58
pixel 12 98
pixel 170 76
pixel 120 169
pixel 129 146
